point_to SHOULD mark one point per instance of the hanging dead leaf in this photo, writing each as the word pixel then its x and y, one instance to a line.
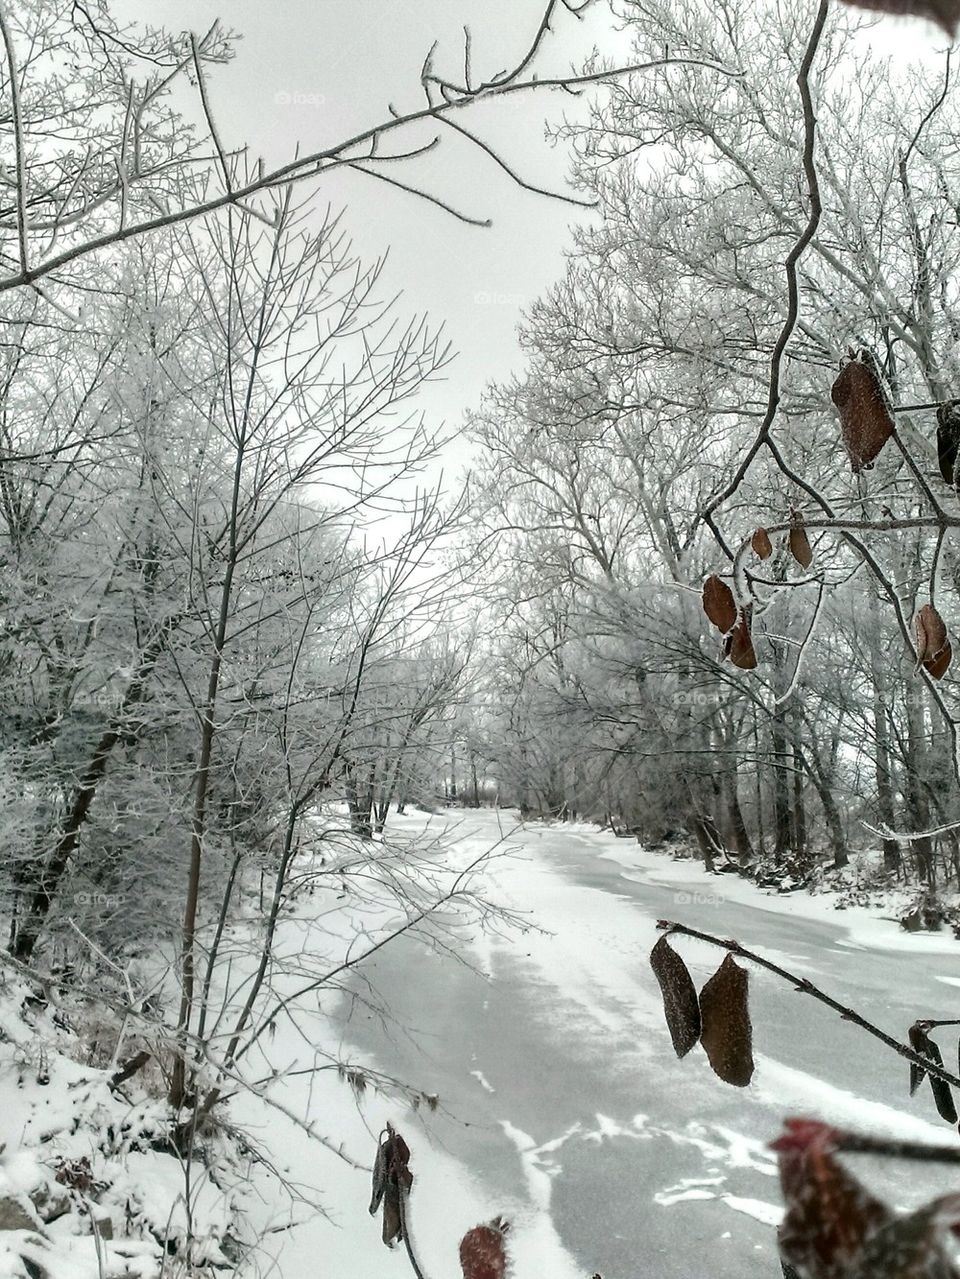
pixel 936 667
pixel 392 1220
pixel 830 1217
pixel 483 1253
pixel 726 1033
pixel 933 648
pixel 680 1005
pixel 921 1042
pixel 948 440
pixel 866 420
pixel 761 544
pixel 930 631
pixel 799 545
pixel 719 604
pixel 918 1042
pixel 739 645
pixel 912 1247
pixel 379 1178
pixel 391 1180
pixel 945 13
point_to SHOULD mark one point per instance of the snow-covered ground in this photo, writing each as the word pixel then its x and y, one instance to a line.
pixel 563 1104
pixel 559 1101
pixel 874 925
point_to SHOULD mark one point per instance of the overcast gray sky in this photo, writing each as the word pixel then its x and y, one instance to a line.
pixel 313 71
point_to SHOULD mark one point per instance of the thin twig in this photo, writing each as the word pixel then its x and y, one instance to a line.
pixel 19 149
pixel 319 163
pixel 857 1143
pixel 791 269
pixel 805 987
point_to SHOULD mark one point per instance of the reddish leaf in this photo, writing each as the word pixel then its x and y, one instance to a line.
pixel 800 546
pixel 739 646
pixel 933 648
pixel 830 1216
pixel 761 544
pixel 866 421
pixel 945 13
pixel 936 667
pixel 719 604
pixel 726 1033
pixel 680 1005
pixel 483 1253
pixel 931 632
pixel 912 1247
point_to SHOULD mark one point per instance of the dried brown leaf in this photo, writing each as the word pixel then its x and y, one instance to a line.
pixel 680 1004
pixel 392 1222
pixel 762 546
pixel 830 1217
pixel 719 604
pixel 739 647
pixel 800 546
pixel 391 1179
pixel 945 13
pixel 942 1093
pixel 936 667
pixel 931 632
pixel 379 1178
pixel 866 422
pixel 726 1034
pixel 483 1252
pixel 934 652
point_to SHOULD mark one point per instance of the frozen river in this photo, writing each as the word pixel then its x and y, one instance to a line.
pixel 560 1092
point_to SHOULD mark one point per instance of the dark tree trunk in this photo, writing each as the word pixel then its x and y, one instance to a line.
pixel 359 805
pixel 918 807
pixel 799 809
pixel 881 730
pixel 782 807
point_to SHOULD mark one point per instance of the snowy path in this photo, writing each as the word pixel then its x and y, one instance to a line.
pixel 561 1093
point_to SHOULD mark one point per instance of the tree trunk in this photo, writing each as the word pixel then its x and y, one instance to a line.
pixel 918 807
pixel 708 838
pixel 821 784
pixel 734 823
pixel 32 920
pixel 782 807
pixel 799 810
pixel 881 729
pixel 359 805
pixel 475 780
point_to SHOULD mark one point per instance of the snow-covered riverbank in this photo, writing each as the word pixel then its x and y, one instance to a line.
pixel 558 1099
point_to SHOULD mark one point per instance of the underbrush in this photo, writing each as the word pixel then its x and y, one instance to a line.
pixel 91 1186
